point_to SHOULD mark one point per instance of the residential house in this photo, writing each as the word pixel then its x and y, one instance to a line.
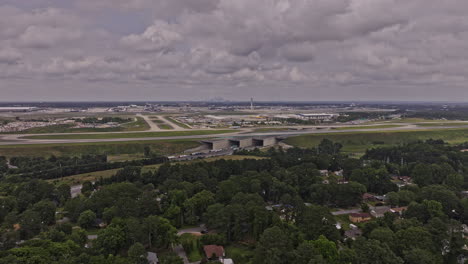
pixel 359 217
pixel 90 240
pixel 353 233
pixel 152 258
pixel 213 252
pixel 338 173
pixel 379 211
pixel 367 197
pixel 324 173
pixel 399 210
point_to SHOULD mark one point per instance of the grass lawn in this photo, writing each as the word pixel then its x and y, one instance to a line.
pixel 177 122
pixel 133 135
pixel 415 120
pixel 443 124
pixel 365 127
pixel 271 129
pixel 164 147
pixel 358 142
pixel 239 253
pixel 80 178
pixel 165 126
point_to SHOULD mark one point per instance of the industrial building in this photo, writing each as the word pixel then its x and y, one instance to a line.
pixel 319 117
pixel 18 109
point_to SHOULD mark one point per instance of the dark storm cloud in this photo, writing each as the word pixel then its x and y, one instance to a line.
pixel 282 49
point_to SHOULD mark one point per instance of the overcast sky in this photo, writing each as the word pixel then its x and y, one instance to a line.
pixel 267 49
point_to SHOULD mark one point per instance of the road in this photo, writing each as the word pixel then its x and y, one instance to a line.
pixel 16 139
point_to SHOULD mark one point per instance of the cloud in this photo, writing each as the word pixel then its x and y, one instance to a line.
pixel 10 56
pixel 284 48
pixel 298 52
pixel 47 37
pixel 159 37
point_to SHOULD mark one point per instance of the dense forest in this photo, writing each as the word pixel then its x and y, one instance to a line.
pixel 284 207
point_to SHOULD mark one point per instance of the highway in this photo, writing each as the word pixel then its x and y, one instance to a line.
pixel 17 139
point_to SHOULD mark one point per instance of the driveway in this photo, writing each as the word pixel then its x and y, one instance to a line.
pixel 179 250
pixel 192 230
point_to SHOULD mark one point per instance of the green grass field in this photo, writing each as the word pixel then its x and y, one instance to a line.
pixel 165 126
pixel 358 142
pixel 454 124
pixel 110 148
pixel 415 120
pixel 138 125
pixel 365 127
pixel 133 135
pixel 182 125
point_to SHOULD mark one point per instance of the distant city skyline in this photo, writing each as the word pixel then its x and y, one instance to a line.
pixel 271 50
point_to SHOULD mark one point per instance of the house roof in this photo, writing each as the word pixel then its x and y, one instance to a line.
pixel 399 209
pixel 380 210
pixel 227 261
pixel 362 215
pixel 353 233
pixel 211 250
pixel 368 196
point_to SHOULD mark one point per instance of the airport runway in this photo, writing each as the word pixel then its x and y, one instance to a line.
pixel 16 139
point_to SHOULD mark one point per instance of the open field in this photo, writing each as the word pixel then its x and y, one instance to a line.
pixel 93 176
pixel 365 127
pixel 133 135
pixel 443 124
pixel 165 126
pixel 138 125
pixel 405 121
pixel 182 125
pixel 358 142
pixel 157 121
pixel 115 148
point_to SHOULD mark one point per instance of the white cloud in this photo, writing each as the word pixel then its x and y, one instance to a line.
pixel 47 37
pixel 259 45
pixel 159 37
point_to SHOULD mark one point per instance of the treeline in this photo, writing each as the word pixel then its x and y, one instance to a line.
pixel 353 116
pixel 449 114
pixel 57 167
pixel 106 119
pixel 278 207
pixel 428 163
